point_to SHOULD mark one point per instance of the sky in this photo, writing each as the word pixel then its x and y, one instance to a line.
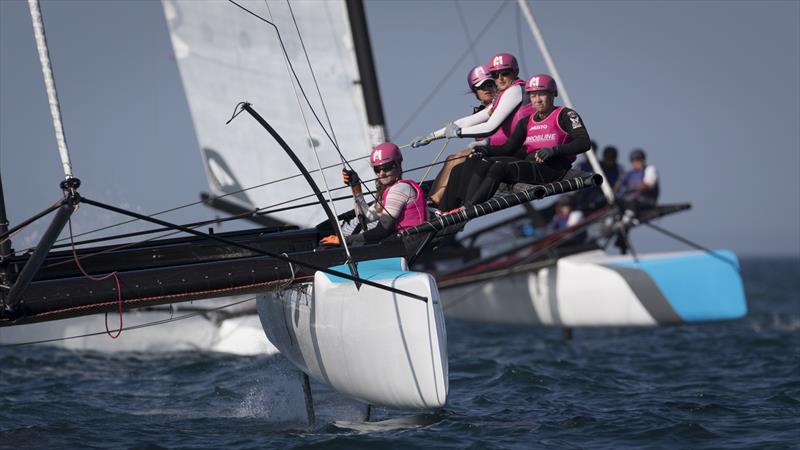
pixel 711 90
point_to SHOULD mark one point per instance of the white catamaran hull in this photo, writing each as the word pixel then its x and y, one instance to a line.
pixel 374 345
pixel 595 289
pixel 235 330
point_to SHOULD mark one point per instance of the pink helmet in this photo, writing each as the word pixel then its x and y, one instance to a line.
pixel 542 82
pixel 384 153
pixel 503 61
pixel 478 75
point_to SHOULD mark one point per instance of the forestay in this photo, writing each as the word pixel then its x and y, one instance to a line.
pixel 226 55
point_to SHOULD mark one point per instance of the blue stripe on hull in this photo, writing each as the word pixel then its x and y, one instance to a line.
pixel 698 286
pixel 385 268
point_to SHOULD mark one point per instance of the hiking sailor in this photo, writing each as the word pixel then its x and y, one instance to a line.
pixel 481 84
pixel 479 80
pixel 542 146
pixel 401 203
pixel 497 121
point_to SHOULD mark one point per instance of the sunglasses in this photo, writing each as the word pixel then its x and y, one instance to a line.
pixel 388 167
pixel 486 86
pixel 505 73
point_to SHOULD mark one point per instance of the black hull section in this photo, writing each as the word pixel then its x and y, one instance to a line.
pixel 187 269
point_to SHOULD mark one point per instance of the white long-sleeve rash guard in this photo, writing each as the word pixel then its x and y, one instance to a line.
pixel 483 122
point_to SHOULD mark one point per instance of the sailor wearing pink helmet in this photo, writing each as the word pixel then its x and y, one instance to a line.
pixel 544 144
pixel 400 205
pixel 504 70
pixel 481 83
pixel 495 122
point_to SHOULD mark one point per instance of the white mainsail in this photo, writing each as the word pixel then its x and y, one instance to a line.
pixel 226 55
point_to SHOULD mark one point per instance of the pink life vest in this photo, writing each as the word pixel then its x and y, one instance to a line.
pixel 523 110
pixel 547 133
pixel 411 215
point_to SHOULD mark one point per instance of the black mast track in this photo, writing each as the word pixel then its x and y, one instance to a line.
pixel 366 63
pixel 5 246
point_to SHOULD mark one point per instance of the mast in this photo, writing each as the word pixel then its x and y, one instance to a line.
pixel 551 66
pixel 50 85
pixel 5 246
pixel 366 70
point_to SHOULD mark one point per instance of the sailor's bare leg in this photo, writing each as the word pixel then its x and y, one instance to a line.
pixel 440 183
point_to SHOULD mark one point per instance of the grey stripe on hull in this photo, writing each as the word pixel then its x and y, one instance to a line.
pixel 648 294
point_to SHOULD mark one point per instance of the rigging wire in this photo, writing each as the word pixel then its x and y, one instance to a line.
pixel 176 208
pixel 452 69
pixel 313 76
pixel 465 28
pixel 344 161
pixel 435 160
pixel 299 84
pixel 266 210
pixel 520 49
pixel 308 131
pixel 692 244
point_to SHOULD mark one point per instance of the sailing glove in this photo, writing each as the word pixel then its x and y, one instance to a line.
pixel 452 131
pixel 332 240
pixel 545 153
pixel 480 152
pixel 350 177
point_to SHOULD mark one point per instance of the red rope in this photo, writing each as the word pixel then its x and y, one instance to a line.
pixel 104 277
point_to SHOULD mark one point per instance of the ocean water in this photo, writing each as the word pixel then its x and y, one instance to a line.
pixel 723 385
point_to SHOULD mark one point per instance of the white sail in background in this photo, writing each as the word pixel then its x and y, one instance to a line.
pixel 226 55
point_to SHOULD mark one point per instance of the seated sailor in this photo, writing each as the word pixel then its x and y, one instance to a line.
pixel 400 203
pixel 566 216
pixel 496 121
pixel 480 82
pixel 541 149
pixel 639 188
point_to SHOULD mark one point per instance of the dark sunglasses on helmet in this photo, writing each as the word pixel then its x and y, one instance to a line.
pixel 485 86
pixel 505 73
pixel 388 167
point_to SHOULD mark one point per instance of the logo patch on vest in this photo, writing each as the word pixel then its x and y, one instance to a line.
pixel 575 119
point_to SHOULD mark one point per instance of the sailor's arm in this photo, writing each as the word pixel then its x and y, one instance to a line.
pixel 508 103
pixel 468 121
pixel 649 180
pixel 571 122
pixel 512 144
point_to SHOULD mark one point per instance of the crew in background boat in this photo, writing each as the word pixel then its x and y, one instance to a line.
pixel 541 148
pixel 480 82
pixel 566 216
pixel 639 188
pixel 496 121
pixel 591 199
pixel 401 203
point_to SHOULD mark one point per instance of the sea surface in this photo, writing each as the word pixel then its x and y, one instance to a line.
pixel 716 386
